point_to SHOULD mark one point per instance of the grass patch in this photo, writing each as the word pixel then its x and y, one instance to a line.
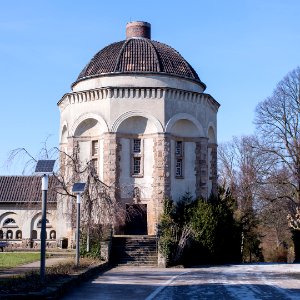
pixel 30 282
pixel 10 260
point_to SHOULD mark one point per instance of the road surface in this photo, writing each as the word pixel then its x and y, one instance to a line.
pixel 261 281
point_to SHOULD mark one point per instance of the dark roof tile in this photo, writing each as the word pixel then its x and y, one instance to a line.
pixel 139 55
pixel 25 189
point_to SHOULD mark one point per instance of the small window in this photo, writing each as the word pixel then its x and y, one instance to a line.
pixel 18 234
pixel 179 157
pixel 95 148
pixel 136 146
pixel 9 235
pixel 178 168
pixel 136 159
pixel 95 165
pixel 52 234
pixel 9 221
pixel 178 148
pixel 34 234
pixel 136 165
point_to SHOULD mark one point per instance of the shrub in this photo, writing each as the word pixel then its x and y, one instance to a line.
pixel 93 237
pixel 200 231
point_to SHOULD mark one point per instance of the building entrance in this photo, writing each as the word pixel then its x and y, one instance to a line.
pixel 136 219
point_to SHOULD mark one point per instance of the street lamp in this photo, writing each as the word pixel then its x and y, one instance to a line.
pixel 78 189
pixel 44 168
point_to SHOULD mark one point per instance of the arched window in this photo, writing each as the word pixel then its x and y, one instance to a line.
pixel 34 234
pixel 52 235
pixel 9 222
pixel 9 234
pixel 1 234
pixel 18 234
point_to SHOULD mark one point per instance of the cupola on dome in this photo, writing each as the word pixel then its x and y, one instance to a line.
pixel 139 54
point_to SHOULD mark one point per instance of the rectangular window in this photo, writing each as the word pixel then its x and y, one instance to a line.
pixel 178 148
pixel 95 148
pixel 136 159
pixel 136 146
pixel 136 165
pixel 178 168
pixel 179 158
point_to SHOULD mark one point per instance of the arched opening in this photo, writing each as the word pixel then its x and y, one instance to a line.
pixel 137 125
pixel 1 234
pixel 18 234
pixel 211 135
pixel 34 234
pixel 9 222
pixel 88 128
pixel 9 234
pixel 185 128
pixel 52 234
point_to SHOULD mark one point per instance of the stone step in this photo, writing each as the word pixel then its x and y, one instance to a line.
pixel 134 250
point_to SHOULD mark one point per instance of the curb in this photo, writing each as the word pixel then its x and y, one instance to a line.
pixel 57 289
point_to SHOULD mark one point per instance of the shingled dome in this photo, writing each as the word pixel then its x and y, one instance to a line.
pixel 139 54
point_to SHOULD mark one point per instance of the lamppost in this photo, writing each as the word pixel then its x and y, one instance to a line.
pixel 44 168
pixel 78 189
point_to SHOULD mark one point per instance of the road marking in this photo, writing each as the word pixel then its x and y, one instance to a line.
pixel 162 287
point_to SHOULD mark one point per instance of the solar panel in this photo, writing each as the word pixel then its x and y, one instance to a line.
pixel 78 187
pixel 44 166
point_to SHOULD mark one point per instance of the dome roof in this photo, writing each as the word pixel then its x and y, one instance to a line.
pixel 139 54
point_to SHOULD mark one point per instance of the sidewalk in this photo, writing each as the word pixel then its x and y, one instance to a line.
pixel 34 266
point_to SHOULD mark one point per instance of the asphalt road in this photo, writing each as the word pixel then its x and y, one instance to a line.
pixel 263 281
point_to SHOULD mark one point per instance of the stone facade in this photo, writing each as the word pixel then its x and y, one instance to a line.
pixel 159 107
pixel 138 114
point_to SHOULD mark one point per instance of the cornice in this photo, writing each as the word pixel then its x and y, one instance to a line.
pixel 136 93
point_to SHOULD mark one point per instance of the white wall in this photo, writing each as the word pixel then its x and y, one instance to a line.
pixel 145 80
pixel 188 183
pixel 24 217
pixel 127 182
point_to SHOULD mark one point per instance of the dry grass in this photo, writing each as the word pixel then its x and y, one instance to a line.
pixel 30 282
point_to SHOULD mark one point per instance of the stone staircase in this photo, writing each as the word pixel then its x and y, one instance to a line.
pixel 136 250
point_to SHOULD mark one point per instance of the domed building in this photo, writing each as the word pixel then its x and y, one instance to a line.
pixel 139 113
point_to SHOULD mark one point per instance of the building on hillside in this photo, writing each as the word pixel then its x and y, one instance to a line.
pixel 20 211
pixel 139 113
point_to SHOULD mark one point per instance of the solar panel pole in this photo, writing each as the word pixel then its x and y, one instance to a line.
pixel 43 227
pixel 78 189
pixel 78 198
pixel 44 168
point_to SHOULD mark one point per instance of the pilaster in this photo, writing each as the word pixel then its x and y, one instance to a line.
pixel 161 174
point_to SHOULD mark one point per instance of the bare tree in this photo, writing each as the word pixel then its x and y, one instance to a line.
pixel 277 121
pixel 99 208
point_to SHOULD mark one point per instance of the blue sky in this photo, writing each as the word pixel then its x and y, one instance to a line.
pixel 239 48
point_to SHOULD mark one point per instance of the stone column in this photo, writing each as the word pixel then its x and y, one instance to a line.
pixel 213 167
pixel 111 165
pixel 201 168
pixel 110 160
pixel 161 176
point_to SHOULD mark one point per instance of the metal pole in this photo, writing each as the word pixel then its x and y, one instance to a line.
pixel 43 227
pixel 77 230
